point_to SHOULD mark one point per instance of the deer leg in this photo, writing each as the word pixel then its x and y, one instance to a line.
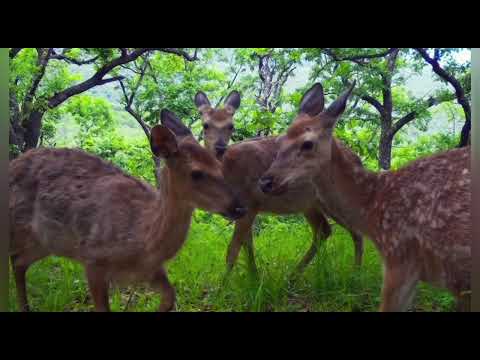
pixel 20 282
pixel 463 302
pixel 98 285
pixel 358 243
pixel 321 231
pixel 243 227
pixel 248 246
pixel 161 282
pixel 20 264
pixel 399 285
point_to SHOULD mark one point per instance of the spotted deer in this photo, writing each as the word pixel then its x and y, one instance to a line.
pixel 418 216
pixel 69 203
pixel 244 163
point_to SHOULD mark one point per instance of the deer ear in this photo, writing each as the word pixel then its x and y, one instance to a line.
pixel 232 103
pixel 163 142
pixel 313 101
pixel 201 102
pixel 173 122
pixel 336 109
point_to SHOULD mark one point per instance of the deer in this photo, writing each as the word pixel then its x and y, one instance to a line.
pixel 69 203
pixel 243 164
pixel 418 216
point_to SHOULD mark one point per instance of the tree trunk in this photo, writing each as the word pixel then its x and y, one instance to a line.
pixel 465 134
pixel 15 140
pixel 385 150
pixel 33 127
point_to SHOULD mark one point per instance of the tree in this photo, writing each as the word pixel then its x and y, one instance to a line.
pixel 272 67
pixel 40 81
pixel 380 74
pixel 152 83
pixel 458 76
pixel 164 81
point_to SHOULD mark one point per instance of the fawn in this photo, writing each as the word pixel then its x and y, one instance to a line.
pixel 244 163
pixel 69 203
pixel 418 217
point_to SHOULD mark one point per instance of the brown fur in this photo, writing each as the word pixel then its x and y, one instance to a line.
pixel 243 165
pixel 217 122
pixel 418 217
pixel 69 203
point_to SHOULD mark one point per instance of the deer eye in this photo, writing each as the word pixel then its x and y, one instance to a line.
pixel 197 175
pixel 307 145
pixel 205 126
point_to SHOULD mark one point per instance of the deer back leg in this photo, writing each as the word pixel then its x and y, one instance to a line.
pixel 399 285
pixel 321 230
pixel 98 285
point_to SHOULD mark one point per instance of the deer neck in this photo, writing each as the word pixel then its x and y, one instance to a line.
pixel 169 219
pixel 348 191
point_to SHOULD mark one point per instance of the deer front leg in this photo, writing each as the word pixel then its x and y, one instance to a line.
pixel 242 236
pixel 98 285
pixel 248 246
pixel 20 264
pixel 464 302
pixel 321 230
pixel 161 282
pixel 358 243
pixel 20 281
pixel 399 285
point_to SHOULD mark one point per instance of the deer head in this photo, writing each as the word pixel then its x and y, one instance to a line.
pixel 217 123
pixel 194 173
pixel 305 150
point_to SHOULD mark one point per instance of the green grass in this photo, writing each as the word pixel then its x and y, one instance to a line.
pixel 330 283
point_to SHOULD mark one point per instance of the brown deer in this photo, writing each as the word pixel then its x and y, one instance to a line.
pixel 217 122
pixel 418 217
pixel 244 163
pixel 69 203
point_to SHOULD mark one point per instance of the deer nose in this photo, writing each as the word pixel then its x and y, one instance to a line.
pixel 266 184
pixel 220 149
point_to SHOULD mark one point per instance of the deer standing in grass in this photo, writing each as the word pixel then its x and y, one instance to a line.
pixel 69 203
pixel 244 163
pixel 418 217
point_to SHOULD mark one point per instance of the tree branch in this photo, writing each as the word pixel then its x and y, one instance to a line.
pixel 459 91
pixel 70 60
pixel 43 57
pixel 374 102
pixel 14 52
pixel 182 53
pixel 359 59
pixel 129 99
pixel 229 85
pixel 97 78
pixel 134 114
pixel 413 114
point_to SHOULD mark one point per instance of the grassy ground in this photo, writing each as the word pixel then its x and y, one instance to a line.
pixel 330 283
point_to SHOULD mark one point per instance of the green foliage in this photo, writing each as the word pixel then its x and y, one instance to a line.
pixel 24 68
pixel 14 150
pixel 172 83
pixel 423 146
pixel 93 115
pixel 134 157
